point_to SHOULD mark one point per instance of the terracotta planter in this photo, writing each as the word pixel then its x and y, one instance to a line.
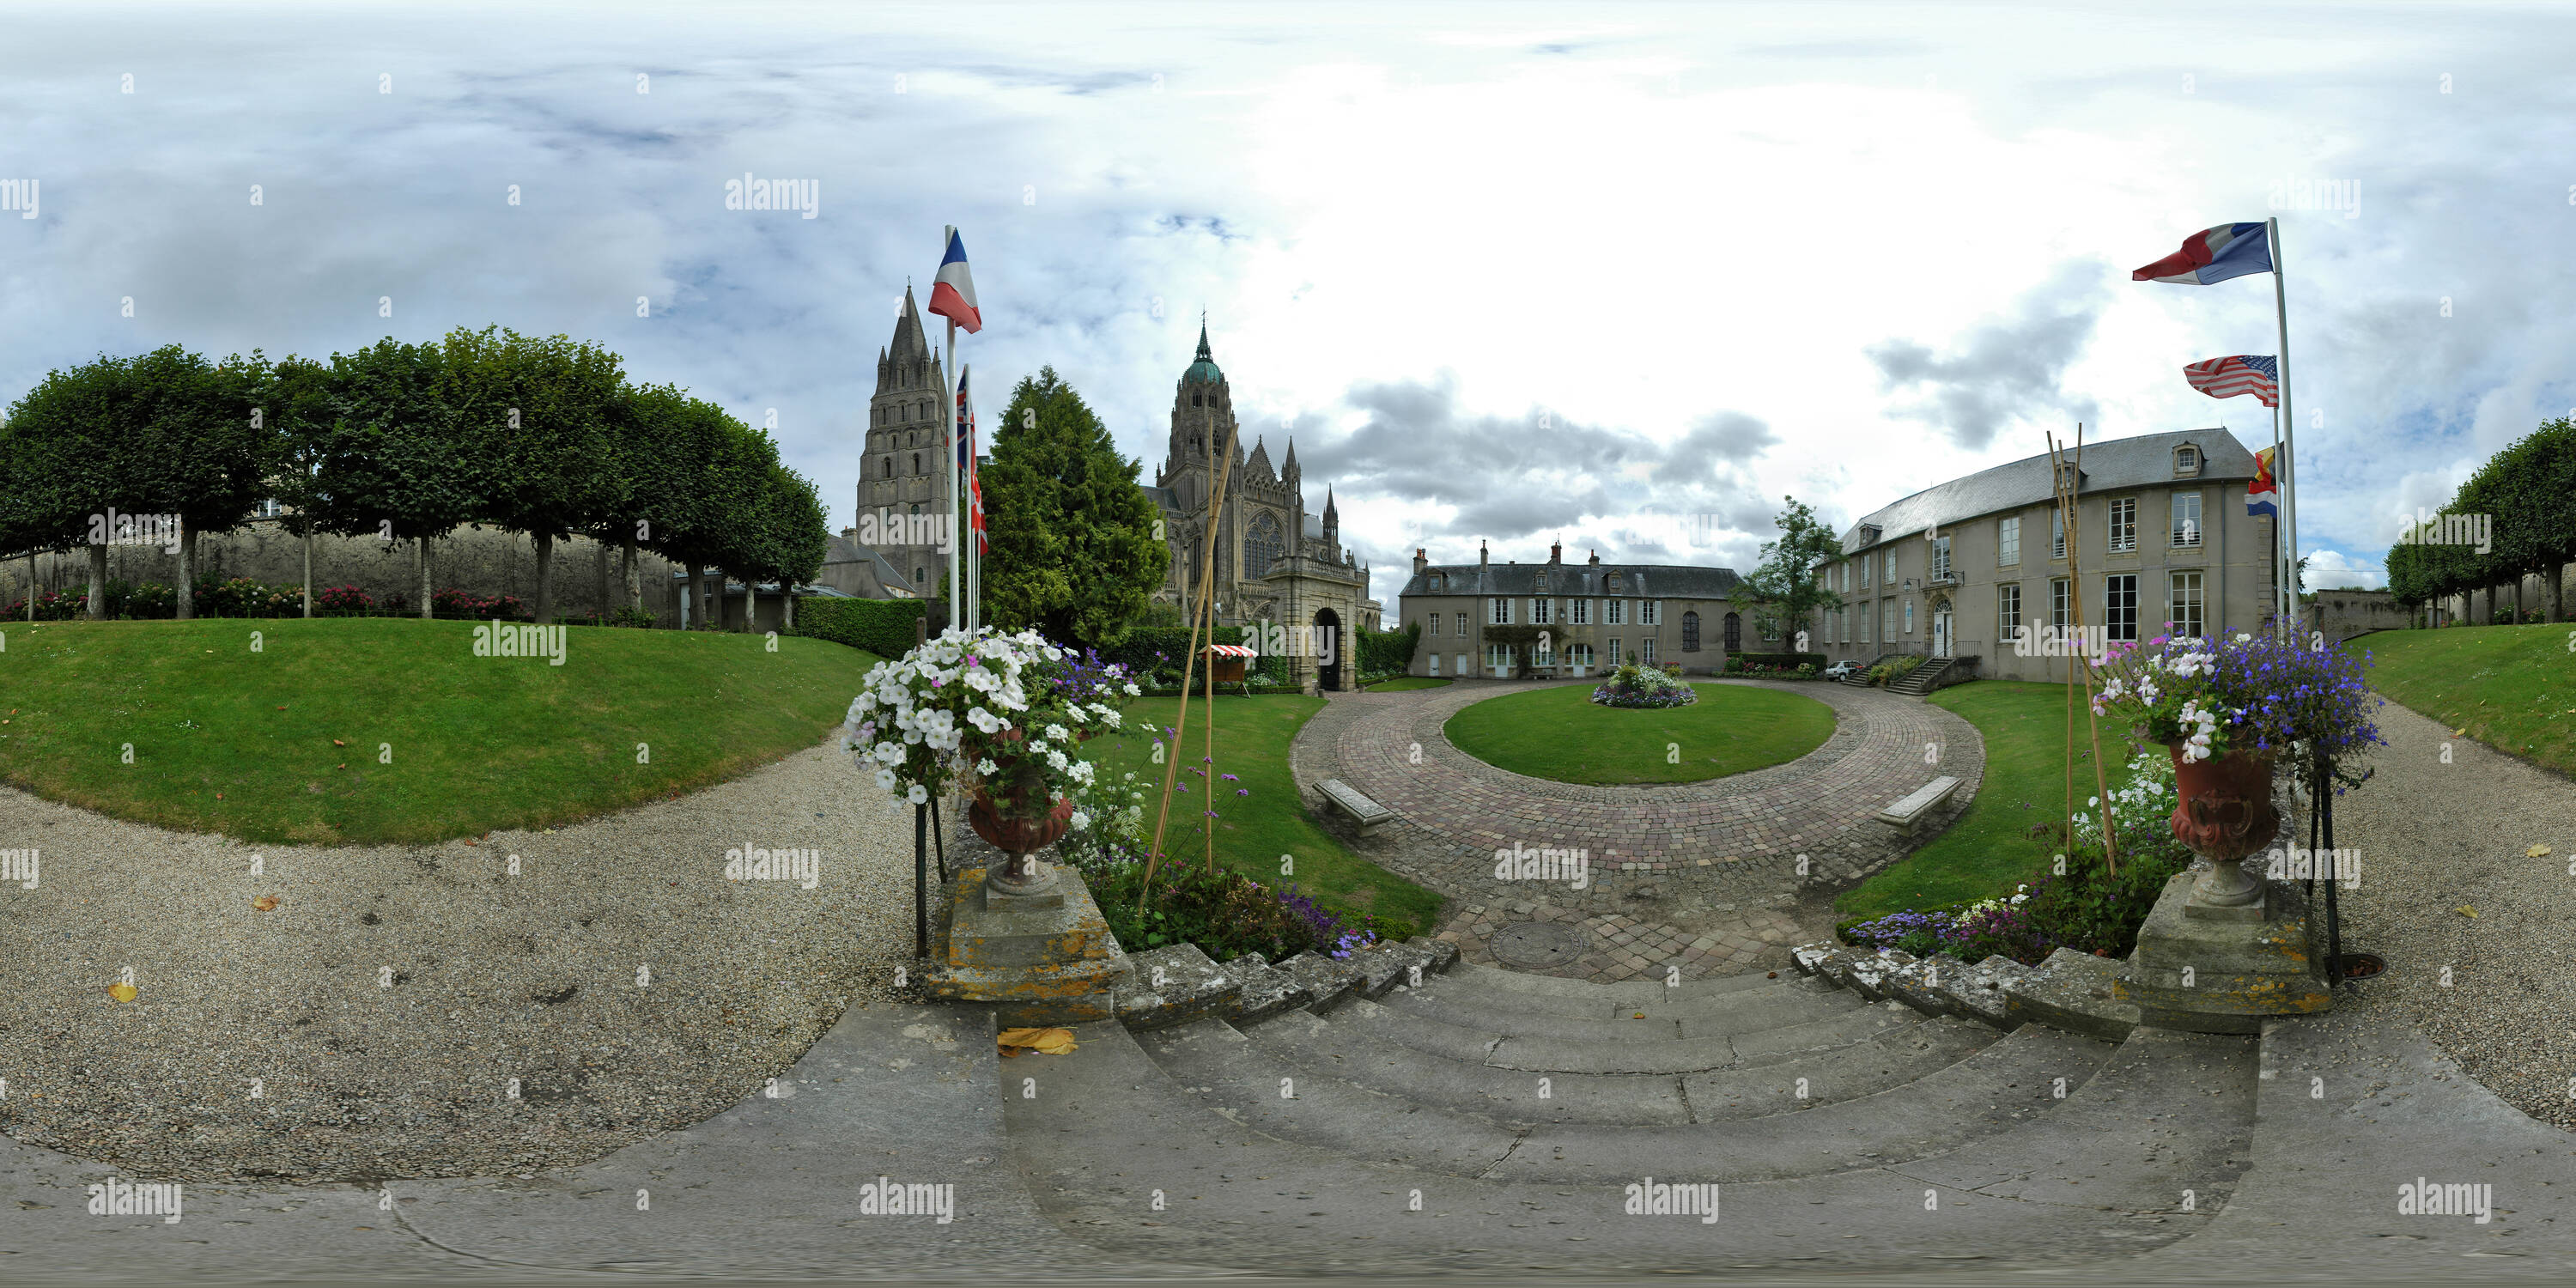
pixel 1018 837
pixel 2225 813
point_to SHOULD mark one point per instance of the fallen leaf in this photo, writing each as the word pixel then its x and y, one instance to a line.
pixel 1046 1041
pixel 1638 1016
pixel 2459 731
pixel 121 992
pixel 2536 852
pixel 337 743
pixel 264 902
pixel 2465 910
pixel 342 765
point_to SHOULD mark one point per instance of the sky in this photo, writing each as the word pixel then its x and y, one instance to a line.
pixel 1624 276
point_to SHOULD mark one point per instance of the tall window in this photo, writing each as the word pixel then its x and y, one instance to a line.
pixel 1891 565
pixel 1646 651
pixel 2120 606
pixel 1618 613
pixel 1865 562
pixel 1543 653
pixel 1583 612
pixel 1650 612
pixel 1502 612
pixel 1690 632
pixel 2124 524
pixel 2061 604
pixel 2007 611
pixel 888 471
pixel 1261 545
pixel 1864 615
pixel 2007 543
pixel 2183 605
pixel 1538 611
pixel 1909 617
pixel 1734 632
pixel 1435 624
pixel 1611 658
pixel 2056 533
pixel 1887 620
pixel 1497 656
pixel 2186 518
pixel 1941 556
pixel 916 462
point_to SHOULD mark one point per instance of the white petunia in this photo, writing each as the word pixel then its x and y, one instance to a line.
pixel 986 767
pixel 885 780
pixel 919 795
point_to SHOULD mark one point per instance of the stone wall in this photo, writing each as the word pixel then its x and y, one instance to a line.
pixel 2342 614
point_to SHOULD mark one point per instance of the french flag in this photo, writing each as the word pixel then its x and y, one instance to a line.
pixel 2211 255
pixel 2262 494
pixel 952 293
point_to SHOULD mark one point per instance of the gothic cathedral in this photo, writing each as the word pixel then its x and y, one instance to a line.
pixel 1274 562
pixel 900 476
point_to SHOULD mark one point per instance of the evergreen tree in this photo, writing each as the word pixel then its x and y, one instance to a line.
pixel 1074 548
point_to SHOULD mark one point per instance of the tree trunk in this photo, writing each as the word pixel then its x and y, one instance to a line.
pixel 424 578
pixel 308 572
pixel 2518 580
pixel 600 610
pixel 2557 591
pixel 696 615
pixel 786 610
pixel 545 578
pixel 634 585
pixel 31 587
pixel 187 595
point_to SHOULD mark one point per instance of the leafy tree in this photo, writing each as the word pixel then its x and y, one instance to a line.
pixel 1789 585
pixel 1074 551
pixel 533 417
pixel 391 468
pixel 292 401
pixel 707 481
pixel 2531 489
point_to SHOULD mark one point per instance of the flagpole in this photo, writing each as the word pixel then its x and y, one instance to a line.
pixel 2285 434
pixel 948 463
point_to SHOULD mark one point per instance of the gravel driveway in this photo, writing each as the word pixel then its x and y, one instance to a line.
pixel 420 1011
pixel 2433 838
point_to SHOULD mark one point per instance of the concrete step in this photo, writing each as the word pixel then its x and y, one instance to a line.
pixel 2005 1085
pixel 1522 990
pixel 1341 1048
pixel 1707 1015
pixel 1890 1058
pixel 1125 1161
pixel 1250 1084
pixel 2168 1113
pixel 1694 1055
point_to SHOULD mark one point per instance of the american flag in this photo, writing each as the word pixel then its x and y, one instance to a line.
pixel 2246 373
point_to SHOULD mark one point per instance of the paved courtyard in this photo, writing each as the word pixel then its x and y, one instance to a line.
pixel 1706 878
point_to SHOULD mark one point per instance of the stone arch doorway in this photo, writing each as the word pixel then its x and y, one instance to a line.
pixel 1328 650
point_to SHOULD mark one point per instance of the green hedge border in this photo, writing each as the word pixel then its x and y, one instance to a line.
pixel 884 627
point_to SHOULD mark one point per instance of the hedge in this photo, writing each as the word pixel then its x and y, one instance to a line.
pixel 884 627
pixel 1138 651
pixel 1787 661
pixel 1382 651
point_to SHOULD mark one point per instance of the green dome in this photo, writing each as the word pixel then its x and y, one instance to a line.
pixel 1204 370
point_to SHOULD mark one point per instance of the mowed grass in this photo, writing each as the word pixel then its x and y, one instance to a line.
pixel 2509 687
pixel 1253 830
pixel 1560 733
pixel 362 730
pixel 1408 682
pixel 1990 849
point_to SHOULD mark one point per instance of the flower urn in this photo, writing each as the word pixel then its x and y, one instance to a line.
pixel 2224 814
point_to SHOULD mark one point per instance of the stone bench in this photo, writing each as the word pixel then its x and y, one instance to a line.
pixel 1367 813
pixel 1907 814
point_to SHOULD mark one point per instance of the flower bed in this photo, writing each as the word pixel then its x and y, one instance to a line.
pixel 1644 686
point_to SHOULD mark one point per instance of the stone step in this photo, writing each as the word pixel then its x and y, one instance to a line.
pixel 1521 990
pixel 1342 1048
pixel 1693 1055
pixel 2005 1085
pixel 2169 1112
pixel 1740 1011
pixel 1891 1058
pixel 1118 1156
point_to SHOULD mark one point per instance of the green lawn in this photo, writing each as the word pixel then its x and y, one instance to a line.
pixel 2510 687
pixel 1408 682
pixel 288 743
pixel 1254 830
pixel 1561 734
pixel 1990 849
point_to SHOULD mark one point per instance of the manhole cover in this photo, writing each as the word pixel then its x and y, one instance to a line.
pixel 1539 945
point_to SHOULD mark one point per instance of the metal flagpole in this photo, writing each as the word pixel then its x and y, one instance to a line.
pixel 948 464
pixel 2285 472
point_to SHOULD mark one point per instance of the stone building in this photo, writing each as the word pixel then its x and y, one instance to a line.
pixel 1596 616
pixel 1274 562
pixel 900 476
pixel 1957 569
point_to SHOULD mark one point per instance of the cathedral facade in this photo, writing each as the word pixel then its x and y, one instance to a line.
pixel 1274 562
pixel 900 476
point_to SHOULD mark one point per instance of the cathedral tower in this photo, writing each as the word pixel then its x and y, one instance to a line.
pixel 900 475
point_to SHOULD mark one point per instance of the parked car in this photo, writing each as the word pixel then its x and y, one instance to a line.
pixel 1841 669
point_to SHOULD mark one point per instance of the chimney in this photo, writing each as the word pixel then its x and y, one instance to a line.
pixel 849 534
pixel 1484 556
pixel 1596 558
pixel 1556 552
pixel 1420 561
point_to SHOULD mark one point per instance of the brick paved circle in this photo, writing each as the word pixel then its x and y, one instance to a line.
pixel 1694 877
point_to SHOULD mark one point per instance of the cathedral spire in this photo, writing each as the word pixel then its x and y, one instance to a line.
pixel 1288 465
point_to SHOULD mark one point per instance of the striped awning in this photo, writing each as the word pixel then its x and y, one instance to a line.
pixel 1231 650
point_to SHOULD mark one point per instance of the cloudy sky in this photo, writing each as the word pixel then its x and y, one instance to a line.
pixel 1505 272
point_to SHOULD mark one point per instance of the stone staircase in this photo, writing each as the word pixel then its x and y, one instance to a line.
pixel 1921 679
pixel 1468 1118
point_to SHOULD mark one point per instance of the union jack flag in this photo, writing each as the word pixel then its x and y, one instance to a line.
pixel 2246 373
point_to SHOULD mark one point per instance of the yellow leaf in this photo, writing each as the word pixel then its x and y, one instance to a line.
pixel 121 992
pixel 264 902
pixel 2465 910
pixel 2536 852
pixel 1048 1041
pixel 2459 731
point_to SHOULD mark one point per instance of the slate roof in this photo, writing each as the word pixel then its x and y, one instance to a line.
pixel 1651 581
pixel 2112 465
pixel 841 549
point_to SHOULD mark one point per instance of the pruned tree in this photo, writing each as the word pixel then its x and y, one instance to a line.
pixel 1788 586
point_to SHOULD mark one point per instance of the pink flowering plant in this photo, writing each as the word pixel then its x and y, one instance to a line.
pixel 986 710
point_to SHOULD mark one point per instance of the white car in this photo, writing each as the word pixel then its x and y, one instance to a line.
pixel 1840 669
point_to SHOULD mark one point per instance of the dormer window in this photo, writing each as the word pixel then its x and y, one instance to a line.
pixel 1540 586
pixel 2068 480
pixel 2186 460
pixel 1614 583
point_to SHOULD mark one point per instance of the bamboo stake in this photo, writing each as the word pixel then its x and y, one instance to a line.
pixel 1199 616
pixel 2068 491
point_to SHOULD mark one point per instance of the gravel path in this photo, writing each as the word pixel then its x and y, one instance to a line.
pixel 371 1025
pixel 2432 838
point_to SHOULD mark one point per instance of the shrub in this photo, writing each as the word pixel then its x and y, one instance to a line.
pixel 1387 652
pixel 342 599
pixel 884 627
pixel 151 601
pixel 1643 686
pixel 51 606
pixel 216 595
pixel 461 605
pixel 1224 912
